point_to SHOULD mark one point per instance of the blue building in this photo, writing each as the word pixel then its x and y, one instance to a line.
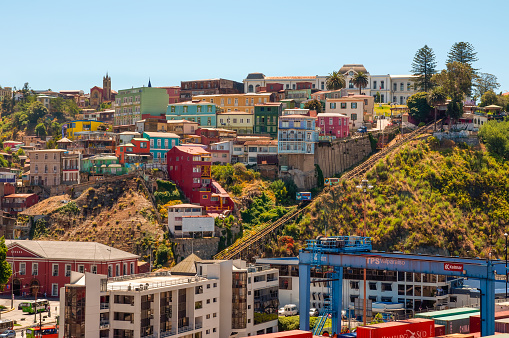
pixel 297 134
pixel 160 143
pixel 196 111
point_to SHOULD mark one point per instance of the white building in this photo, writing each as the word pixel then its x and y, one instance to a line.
pixel 248 294
pixel 225 299
pixel 392 88
pixel 390 290
pixel 256 148
pixel 126 136
pixel 186 219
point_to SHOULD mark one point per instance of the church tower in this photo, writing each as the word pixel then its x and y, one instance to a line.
pixel 107 87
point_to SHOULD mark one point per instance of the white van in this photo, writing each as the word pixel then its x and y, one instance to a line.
pixel 288 310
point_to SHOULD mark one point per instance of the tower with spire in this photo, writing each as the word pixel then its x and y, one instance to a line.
pixel 107 88
pixel 149 84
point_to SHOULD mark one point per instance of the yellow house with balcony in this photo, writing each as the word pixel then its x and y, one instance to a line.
pixel 241 122
pixel 237 102
pixel 80 125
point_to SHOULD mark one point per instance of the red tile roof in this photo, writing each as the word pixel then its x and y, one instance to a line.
pixel 289 77
pixel 193 150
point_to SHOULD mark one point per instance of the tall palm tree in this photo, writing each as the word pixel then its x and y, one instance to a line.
pixel 335 81
pixel 360 80
pixel 435 97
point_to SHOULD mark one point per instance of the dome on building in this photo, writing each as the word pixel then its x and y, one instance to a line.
pixel 255 76
pixel 353 67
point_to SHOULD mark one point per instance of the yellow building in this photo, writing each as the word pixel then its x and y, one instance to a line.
pixel 237 102
pixel 240 121
pixel 80 125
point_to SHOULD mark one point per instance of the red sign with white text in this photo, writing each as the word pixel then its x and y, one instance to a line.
pixel 453 267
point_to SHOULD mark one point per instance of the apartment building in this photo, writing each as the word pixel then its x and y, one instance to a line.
pixel 188 89
pixel 254 81
pixel 46 166
pixel 186 219
pixel 195 111
pixel 160 143
pixel 134 104
pixel 221 152
pixel 333 125
pixel 5 92
pixel 358 108
pixel 266 118
pixel 223 299
pixel 240 121
pixel 237 102
pixel 297 134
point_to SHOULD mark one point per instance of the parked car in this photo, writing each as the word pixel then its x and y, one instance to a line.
pixel 288 310
pixel 313 312
pixel 8 333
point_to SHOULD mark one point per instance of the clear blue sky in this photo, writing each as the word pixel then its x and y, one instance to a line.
pixel 71 44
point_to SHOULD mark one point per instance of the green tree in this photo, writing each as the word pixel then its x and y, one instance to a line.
pixel 313 105
pixel 496 137
pixel 454 110
pixel 456 80
pixel 5 267
pixel 435 97
pixel 162 255
pixel 279 189
pixel 40 130
pixel 335 81
pixel 419 106
pixel 423 68
pixel 36 110
pixel 485 82
pixel 462 52
pixel 360 80
pixel 488 98
pixel 377 97
pixel 3 162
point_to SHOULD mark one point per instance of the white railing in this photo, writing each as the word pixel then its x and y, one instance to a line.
pixel 154 285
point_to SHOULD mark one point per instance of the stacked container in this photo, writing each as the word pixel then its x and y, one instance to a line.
pixel 475 321
pixel 457 323
pixel 417 327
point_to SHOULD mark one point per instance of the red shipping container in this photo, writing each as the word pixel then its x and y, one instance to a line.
pixel 502 325
pixel 475 321
pixel 417 327
pixel 292 334
pixel 440 330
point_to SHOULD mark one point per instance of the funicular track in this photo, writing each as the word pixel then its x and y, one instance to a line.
pixel 252 245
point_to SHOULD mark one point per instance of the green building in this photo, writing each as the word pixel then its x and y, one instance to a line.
pixel 102 165
pixel 266 118
pixel 136 103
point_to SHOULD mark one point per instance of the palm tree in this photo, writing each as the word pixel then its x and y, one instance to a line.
pixel 360 80
pixel 435 97
pixel 335 81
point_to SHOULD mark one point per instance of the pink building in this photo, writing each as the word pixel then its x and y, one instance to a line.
pixel 333 124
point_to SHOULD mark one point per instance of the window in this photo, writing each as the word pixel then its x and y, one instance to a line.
pixel 343 105
pixel 54 290
pixel 374 84
pixel 185 109
pixel 117 270
pixel 125 269
pixel 354 285
pixel 332 105
pixel 382 84
pixel 209 109
pixel 35 269
pixel 395 86
pixel 401 87
pixel 207 316
pixel 22 268
pixel 214 300
pixel 94 269
pixel 372 286
pixel 198 109
pixel 166 144
pixel 198 305
pixel 132 268
pixel 354 117
pixel 353 298
pixel 172 109
pixel 215 285
pixel 151 143
pixel 386 287
pixel 353 105
pixel 408 86
pixel 110 271
pixel 81 268
pixel 55 270
pixel 229 101
pixel 159 143
pixel 67 270
pixel 330 120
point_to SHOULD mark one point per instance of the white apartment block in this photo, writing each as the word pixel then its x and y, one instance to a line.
pixel 392 88
pixel 388 290
pixel 224 299
pixel 145 305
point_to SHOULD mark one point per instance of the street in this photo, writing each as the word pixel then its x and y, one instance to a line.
pixel 27 320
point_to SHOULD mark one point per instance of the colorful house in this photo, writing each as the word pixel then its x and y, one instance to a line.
pixel 195 111
pixel 102 165
pixel 237 102
pixel 137 151
pixel 240 121
pixel 132 104
pixel 333 125
pixel 189 167
pixel 160 143
pixel 297 134
pixel 266 118
pixel 16 203
pixel 78 126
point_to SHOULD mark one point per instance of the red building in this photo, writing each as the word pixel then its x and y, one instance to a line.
pixel 173 94
pixel 138 150
pixel 45 266
pixel 333 124
pixel 16 203
pixel 189 167
pixel 213 135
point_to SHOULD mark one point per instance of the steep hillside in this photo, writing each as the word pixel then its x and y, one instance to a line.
pixel 453 201
pixel 114 214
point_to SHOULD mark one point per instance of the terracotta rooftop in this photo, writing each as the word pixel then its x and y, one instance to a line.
pixel 289 77
pixel 193 150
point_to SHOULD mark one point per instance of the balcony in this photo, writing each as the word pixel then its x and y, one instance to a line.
pixel 172 332
pixel 104 324
pixel 186 328
pixel 105 306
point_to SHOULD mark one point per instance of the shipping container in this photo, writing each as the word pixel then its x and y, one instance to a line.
pixel 292 334
pixel 502 325
pixel 422 328
pixel 475 321
pixel 455 324
pixel 457 335
pixel 439 330
pixel 446 313
pixel 498 335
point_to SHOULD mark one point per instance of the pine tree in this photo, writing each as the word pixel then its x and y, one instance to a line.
pixel 462 52
pixel 423 68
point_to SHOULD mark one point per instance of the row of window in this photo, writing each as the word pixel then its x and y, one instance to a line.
pixel 159 143
pixel 55 269
pixel 36 169
pixel 353 105
pixel 45 156
pixel 331 121
pixel 234 121
pixel 298 124
pixel 236 101
pixel 198 109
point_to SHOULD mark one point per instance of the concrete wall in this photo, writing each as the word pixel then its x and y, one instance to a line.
pixel 204 248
